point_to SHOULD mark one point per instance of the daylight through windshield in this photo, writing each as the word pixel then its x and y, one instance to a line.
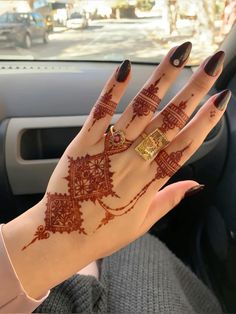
pixel 140 30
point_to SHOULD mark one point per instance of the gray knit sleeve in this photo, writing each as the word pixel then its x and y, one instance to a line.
pixel 78 294
pixel 145 277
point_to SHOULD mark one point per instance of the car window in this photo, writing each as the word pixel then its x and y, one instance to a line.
pixel 76 16
pixel 114 30
pixel 3 18
pixel 7 18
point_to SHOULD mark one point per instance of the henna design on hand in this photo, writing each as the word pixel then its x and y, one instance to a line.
pixel 146 101
pixel 168 165
pixel 104 106
pixel 111 149
pixel 174 116
pixel 90 179
pixel 62 215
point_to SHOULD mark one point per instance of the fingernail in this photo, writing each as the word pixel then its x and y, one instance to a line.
pixel 222 99
pixel 194 190
pixel 214 63
pixel 181 54
pixel 123 71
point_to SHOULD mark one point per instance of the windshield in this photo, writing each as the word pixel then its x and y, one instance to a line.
pixel 114 30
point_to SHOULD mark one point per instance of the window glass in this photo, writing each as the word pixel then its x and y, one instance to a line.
pixel 114 30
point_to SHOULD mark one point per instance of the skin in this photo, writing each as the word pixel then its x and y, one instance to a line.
pixel 131 203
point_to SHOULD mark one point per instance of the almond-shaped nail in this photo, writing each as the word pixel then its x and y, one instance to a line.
pixel 181 54
pixel 194 190
pixel 214 63
pixel 123 71
pixel 221 100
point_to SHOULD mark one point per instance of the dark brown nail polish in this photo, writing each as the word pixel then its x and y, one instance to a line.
pixel 181 54
pixel 194 190
pixel 123 71
pixel 214 63
pixel 221 100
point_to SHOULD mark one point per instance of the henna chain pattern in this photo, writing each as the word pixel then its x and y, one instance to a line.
pixel 168 165
pixel 174 116
pixel 146 101
pixel 90 179
pixel 104 106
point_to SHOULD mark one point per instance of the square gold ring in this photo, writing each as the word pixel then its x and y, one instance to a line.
pixel 151 144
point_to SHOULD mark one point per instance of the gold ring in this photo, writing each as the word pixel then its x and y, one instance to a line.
pixel 151 144
pixel 117 137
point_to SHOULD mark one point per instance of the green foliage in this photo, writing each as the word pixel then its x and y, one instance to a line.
pixel 120 4
pixel 145 5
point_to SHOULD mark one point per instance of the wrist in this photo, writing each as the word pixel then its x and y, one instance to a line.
pixel 49 261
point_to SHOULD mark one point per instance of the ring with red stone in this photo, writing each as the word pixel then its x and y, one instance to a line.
pixel 117 137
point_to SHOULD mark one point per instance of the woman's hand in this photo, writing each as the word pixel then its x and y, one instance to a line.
pixel 103 193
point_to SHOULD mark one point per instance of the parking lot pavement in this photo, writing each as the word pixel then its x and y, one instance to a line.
pixel 138 39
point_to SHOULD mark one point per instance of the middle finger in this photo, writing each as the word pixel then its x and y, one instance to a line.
pixel 140 111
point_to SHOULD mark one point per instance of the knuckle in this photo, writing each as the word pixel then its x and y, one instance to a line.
pixel 201 85
pixel 201 82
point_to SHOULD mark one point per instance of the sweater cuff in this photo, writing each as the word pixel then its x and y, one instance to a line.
pixel 13 297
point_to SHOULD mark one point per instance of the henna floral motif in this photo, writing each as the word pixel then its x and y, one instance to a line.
pixel 146 101
pixel 104 106
pixel 90 179
pixel 174 116
pixel 62 215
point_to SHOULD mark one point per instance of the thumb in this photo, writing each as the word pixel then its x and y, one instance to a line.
pixel 167 199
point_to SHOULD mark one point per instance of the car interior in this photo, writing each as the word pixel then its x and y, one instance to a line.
pixel 43 105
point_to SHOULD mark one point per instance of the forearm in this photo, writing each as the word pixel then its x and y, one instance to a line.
pixel 47 263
